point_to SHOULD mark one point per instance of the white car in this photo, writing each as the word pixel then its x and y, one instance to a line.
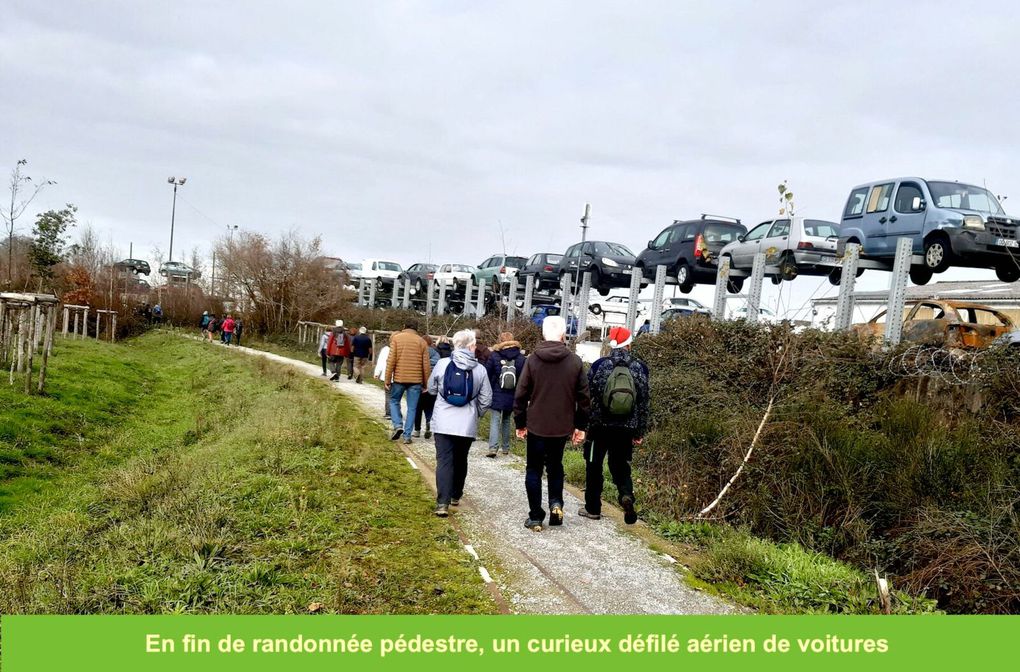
pixel 453 274
pixel 380 268
pixel 765 316
pixel 682 302
pixel 612 305
pixel 796 247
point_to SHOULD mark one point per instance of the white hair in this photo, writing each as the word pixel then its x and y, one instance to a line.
pixel 554 328
pixel 464 339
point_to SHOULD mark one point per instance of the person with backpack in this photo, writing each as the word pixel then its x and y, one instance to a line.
pixel 238 328
pixel 323 343
pixel 463 394
pixel 203 324
pixel 337 348
pixel 228 329
pixel 504 366
pixel 427 400
pixel 619 420
pixel 550 406
pixel 407 371
pixel 214 327
pixel 361 350
pixel 351 335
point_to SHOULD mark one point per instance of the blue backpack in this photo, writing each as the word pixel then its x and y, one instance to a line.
pixel 458 385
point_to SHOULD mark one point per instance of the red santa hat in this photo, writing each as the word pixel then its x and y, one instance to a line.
pixel 619 337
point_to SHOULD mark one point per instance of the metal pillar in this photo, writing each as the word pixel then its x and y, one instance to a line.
pixel 660 289
pixel 898 291
pixel 565 295
pixel 583 298
pixel 428 300
pixel 845 302
pixel 754 293
pixel 395 299
pixel 480 307
pixel 467 297
pixel 371 292
pixel 441 308
pixel 632 302
pixel 529 294
pixel 511 299
pixel 407 295
pixel 722 278
pixel 361 291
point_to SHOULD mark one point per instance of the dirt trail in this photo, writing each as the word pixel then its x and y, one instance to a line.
pixel 582 567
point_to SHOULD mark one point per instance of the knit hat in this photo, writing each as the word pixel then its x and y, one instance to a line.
pixel 339 323
pixel 619 337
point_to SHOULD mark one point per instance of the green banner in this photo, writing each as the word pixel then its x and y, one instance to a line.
pixel 251 643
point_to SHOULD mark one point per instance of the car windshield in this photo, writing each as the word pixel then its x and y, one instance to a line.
pixel 461 268
pixel 388 266
pixel 613 250
pixel 516 262
pixel 964 196
pixel 353 267
pixel 553 258
pixel 820 228
pixel 722 233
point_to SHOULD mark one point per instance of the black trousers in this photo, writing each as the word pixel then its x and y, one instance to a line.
pixel 451 466
pixel 618 445
pixel 325 359
pixel 544 453
pixel 426 402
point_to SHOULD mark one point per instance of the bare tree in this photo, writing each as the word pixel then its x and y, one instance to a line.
pixel 23 192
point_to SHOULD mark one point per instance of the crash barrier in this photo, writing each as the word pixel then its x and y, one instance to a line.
pixel 575 291
pixel 310 332
pixel 27 324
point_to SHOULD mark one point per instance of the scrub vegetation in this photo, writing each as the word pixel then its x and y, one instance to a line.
pixel 162 475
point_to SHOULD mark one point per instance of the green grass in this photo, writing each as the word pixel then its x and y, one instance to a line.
pixel 163 475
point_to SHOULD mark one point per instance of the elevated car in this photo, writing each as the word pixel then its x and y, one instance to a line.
pixel 950 324
pixel 136 266
pixel 420 275
pixel 178 270
pixel 499 269
pixel 689 249
pixel 545 269
pixel 796 245
pixel 454 275
pixel 609 264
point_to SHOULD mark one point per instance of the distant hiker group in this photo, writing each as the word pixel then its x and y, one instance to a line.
pixel 548 396
pixel 228 330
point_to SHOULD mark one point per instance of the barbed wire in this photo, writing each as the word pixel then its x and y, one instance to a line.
pixel 948 365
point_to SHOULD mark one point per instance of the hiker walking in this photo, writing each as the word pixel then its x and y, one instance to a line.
pixel 463 394
pixel 618 422
pixel 427 400
pixel 361 350
pixel 337 348
pixel 323 343
pixel 550 406
pixel 238 328
pixel 350 352
pixel 203 324
pixel 504 366
pixel 214 327
pixel 228 329
pixel 380 374
pixel 407 370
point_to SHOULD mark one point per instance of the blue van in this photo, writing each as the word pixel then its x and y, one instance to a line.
pixel 951 224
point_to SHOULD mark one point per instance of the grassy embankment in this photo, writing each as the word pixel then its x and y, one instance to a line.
pixel 160 476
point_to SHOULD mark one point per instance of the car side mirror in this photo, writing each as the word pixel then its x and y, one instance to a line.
pixel 651 245
pixel 741 237
pixel 917 204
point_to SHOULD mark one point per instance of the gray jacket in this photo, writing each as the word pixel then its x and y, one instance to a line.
pixel 460 420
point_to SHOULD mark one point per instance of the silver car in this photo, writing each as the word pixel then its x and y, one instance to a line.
pixel 797 246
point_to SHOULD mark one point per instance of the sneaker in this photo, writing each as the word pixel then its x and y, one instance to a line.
pixel 556 514
pixel 491 453
pixel 397 433
pixel 442 510
pixel 505 453
pixel 629 514
pixel 455 501
pixel 428 432
pixel 533 525
pixel 417 433
pixel 407 440
pixel 335 376
pixel 591 516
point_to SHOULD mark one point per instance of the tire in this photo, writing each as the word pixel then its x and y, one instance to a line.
pixel 595 309
pixel 920 275
pixel 788 267
pixel 776 280
pixel 937 253
pixel 1008 272
pixel 835 276
pixel 734 285
pixel 684 278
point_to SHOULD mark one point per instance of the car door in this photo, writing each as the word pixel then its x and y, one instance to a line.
pixel 776 241
pixel 876 220
pixel 743 253
pixel 586 258
pixel 905 220
pixel 569 262
pixel 658 249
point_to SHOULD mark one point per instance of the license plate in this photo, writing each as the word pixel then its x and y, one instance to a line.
pixel 1004 242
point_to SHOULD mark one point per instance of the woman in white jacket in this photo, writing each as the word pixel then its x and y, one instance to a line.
pixel 380 371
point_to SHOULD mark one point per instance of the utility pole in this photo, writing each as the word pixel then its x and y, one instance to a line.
pixel 212 283
pixel 177 182
pixel 584 239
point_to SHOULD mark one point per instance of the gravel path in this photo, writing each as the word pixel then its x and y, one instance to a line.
pixel 582 567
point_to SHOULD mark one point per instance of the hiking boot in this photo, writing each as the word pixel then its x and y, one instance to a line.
pixel 428 432
pixel 335 376
pixel 417 433
pixel 397 433
pixel 556 514
pixel 629 514
pixel 582 512
pixel 455 501
pixel 442 510
pixel 533 525
pixel 491 453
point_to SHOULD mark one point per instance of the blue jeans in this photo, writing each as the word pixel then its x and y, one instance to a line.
pixel 499 430
pixel 227 336
pixel 397 391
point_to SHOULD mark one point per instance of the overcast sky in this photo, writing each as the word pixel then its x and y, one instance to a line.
pixel 416 130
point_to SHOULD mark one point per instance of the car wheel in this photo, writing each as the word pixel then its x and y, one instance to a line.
pixel 937 254
pixel 835 276
pixel 776 280
pixel 603 291
pixel 595 309
pixel 920 275
pixel 684 279
pixel 1008 273
pixel 734 285
pixel 788 267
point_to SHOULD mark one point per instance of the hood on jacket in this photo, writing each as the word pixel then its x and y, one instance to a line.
pixel 444 350
pixel 506 345
pixel 464 359
pixel 552 351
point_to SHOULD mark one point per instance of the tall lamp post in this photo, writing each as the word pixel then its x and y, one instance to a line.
pixel 177 182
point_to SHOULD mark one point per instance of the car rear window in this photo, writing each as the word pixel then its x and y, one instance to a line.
pixel 820 228
pixel 516 262
pixel 723 233
pixel 388 266
pixel 461 268
pixel 553 258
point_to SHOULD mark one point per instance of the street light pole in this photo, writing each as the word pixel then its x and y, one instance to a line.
pixel 177 182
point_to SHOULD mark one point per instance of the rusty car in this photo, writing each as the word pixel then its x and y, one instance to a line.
pixel 949 324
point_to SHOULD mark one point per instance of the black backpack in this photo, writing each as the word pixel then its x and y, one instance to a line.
pixel 507 374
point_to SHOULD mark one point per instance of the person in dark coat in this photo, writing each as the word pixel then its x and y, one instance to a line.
pixel 507 352
pixel 614 435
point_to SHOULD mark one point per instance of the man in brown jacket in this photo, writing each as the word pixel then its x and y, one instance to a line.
pixel 407 369
pixel 551 405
